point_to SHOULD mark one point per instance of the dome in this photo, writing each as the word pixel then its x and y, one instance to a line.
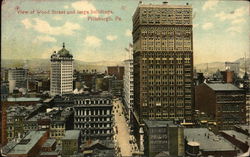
pixel 64 52
pixel 193 143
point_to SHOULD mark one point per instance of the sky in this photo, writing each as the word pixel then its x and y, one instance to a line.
pixel 36 28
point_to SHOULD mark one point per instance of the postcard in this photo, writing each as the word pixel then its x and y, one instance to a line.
pixel 126 78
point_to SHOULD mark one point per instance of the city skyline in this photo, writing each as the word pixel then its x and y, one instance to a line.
pixel 69 86
pixel 222 35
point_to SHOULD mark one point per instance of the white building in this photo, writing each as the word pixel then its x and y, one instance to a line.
pixel 128 81
pixel 61 72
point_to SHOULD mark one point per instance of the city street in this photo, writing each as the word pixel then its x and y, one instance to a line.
pixel 122 136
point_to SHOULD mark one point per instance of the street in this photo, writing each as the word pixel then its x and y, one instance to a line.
pixel 121 129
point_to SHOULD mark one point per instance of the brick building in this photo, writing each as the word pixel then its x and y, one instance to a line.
pixel 117 71
pixel 223 102
pixel 30 145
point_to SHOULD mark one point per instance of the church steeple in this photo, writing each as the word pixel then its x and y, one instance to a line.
pixel 63 45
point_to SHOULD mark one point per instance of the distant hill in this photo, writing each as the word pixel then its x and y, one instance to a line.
pixel 101 66
pixel 214 66
pixel 44 64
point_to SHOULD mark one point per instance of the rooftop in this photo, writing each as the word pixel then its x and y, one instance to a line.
pixel 24 99
pixel 241 137
pixel 88 96
pixel 24 111
pixel 71 135
pixel 208 140
pixel 163 154
pixel 8 147
pixel 49 153
pixel 223 87
pixel 244 127
pixel 62 53
pixel 26 144
pixel 106 143
pixel 155 123
pixel 49 143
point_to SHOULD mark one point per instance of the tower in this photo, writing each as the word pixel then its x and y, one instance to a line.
pixel 61 72
pixel 163 62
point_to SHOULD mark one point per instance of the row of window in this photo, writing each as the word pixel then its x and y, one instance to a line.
pixel 88 101
pixel 92 119
pixel 96 125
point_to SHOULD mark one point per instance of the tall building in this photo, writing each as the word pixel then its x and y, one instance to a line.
pixel 128 87
pixel 18 78
pixel 61 72
pixel 163 61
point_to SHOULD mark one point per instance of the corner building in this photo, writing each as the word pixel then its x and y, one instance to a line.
pixel 163 62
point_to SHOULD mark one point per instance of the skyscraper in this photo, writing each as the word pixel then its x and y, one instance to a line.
pixel 61 72
pixel 163 61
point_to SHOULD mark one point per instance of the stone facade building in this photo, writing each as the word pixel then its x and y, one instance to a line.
pixel 93 116
pixel 163 61
pixel 61 72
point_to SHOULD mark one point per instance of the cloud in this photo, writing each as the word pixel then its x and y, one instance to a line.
pixel 84 6
pixel 42 26
pixel 57 18
pixel 92 41
pixel 235 17
pixel 27 24
pixel 46 38
pixel 234 29
pixel 66 7
pixel 111 37
pixel 48 52
pixel 207 25
pixel 233 14
pixel 195 25
pixel 238 21
pixel 128 33
pixel 210 4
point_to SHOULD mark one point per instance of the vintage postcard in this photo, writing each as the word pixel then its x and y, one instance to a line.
pixel 123 78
